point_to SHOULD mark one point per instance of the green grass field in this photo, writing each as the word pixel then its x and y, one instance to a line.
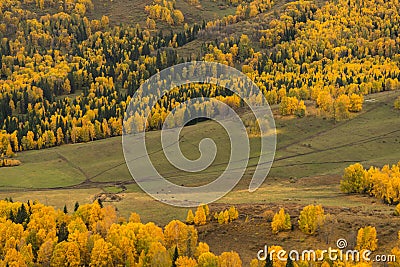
pixel 312 151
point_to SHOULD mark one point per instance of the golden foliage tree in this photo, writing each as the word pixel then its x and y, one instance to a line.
pixel 354 179
pixel 66 254
pixel 366 238
pixel 207 259
pixel 190 217
pixel 200 217
pixel 311 219
pixel 101 254
pixel 229 259
pixel 201 248
pixel 281 221
pixel 178 234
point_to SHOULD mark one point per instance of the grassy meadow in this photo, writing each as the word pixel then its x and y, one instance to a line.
pixel 311 155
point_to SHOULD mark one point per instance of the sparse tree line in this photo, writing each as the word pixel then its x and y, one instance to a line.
pixel 366 240
pixel 382 183
pixel 202 215
pixel 244 10
pixel 165 10
pixel 232 2
pixel 311 221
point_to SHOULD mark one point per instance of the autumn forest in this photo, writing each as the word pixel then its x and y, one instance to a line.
pixel 69 69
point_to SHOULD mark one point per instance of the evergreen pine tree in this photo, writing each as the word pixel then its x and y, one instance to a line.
pixel 76 206
pixel 22 215
pixel 100 203
pixel 158 61
pixel 33 240
pixel 62 232
pixel 145 50
pixel 269 262
pixel 175 257
pixel 11 216
pixel 289 262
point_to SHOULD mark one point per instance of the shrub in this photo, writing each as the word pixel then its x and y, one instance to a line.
pixel 9 162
